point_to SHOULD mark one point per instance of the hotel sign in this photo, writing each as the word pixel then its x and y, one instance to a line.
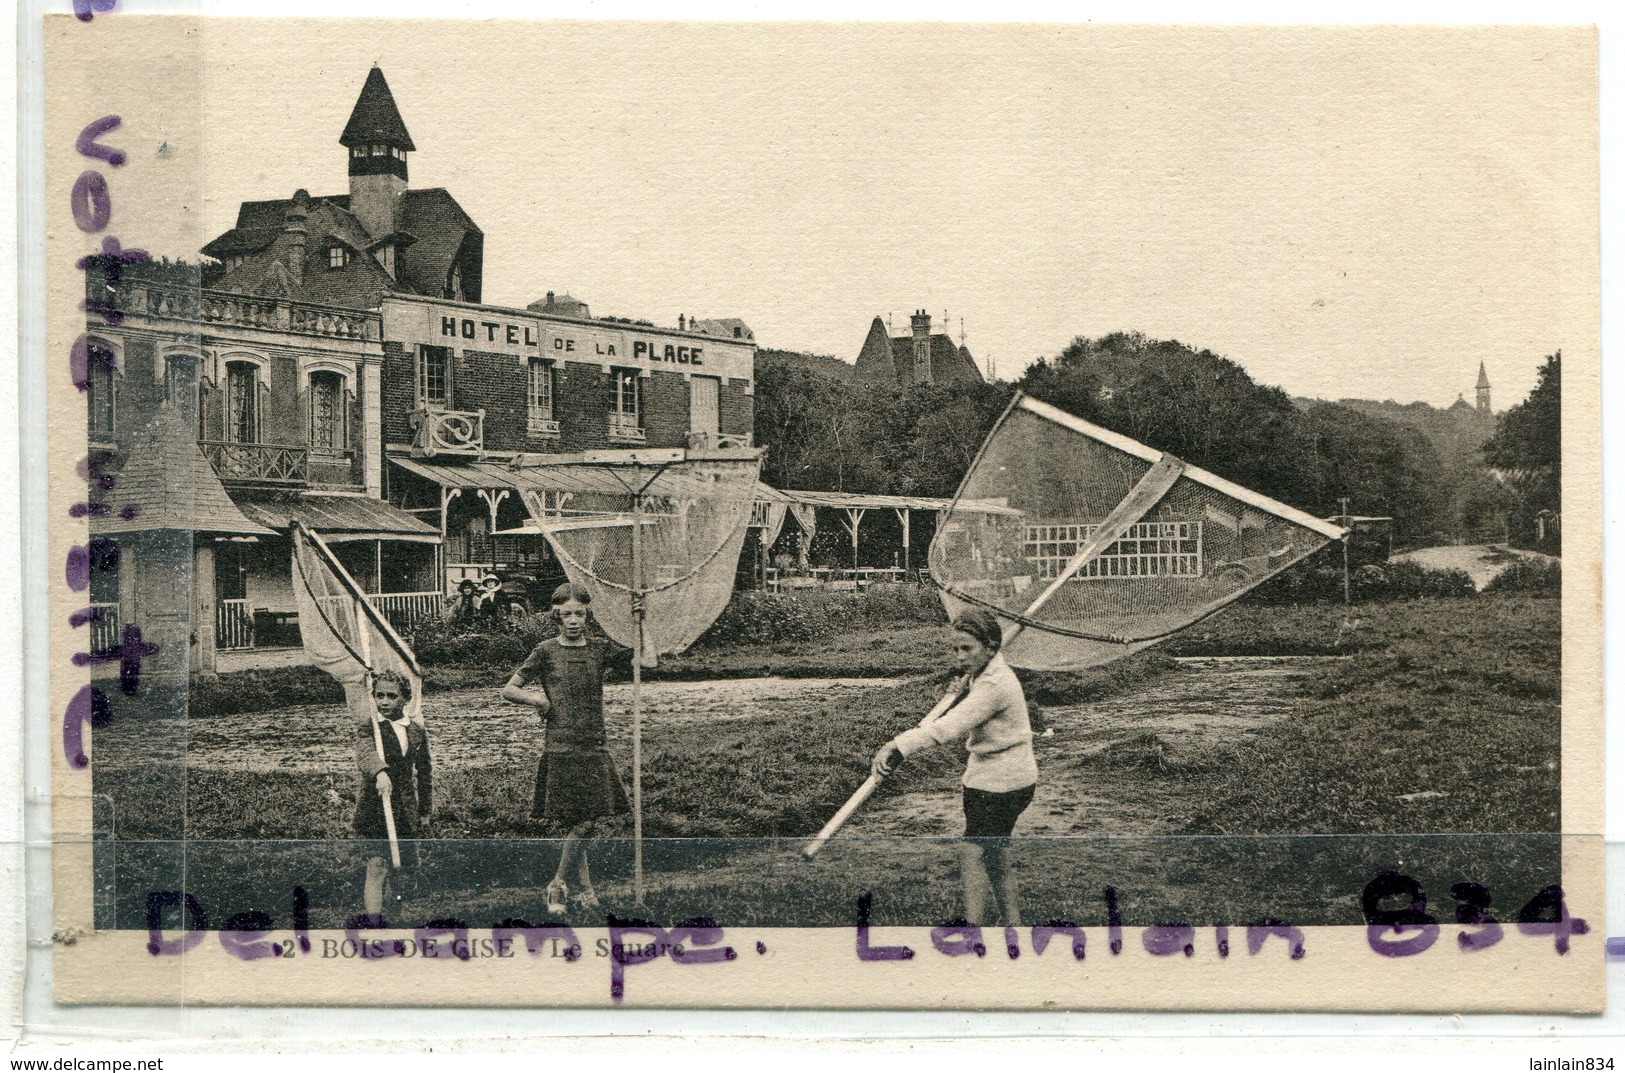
pixel 527 335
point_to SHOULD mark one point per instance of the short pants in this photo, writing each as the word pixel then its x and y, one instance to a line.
pixel 993 815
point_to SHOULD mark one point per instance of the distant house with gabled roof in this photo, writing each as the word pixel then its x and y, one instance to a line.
pixel 917 358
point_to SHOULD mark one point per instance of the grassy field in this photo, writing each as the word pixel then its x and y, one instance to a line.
pixel 1444 719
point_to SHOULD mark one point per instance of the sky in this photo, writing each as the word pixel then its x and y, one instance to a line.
pixel 1346 213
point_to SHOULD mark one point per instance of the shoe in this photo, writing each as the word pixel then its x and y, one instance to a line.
pixel 588 899
pixel 557 896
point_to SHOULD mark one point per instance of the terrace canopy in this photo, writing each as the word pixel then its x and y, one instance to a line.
pixel 340 518
pixel 495 479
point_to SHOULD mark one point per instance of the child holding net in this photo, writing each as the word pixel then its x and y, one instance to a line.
pixel 576 781
pixel 399 778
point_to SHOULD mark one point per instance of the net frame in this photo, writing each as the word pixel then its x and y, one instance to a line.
pixel 1165 471
pixel 305 542
pixel 552 522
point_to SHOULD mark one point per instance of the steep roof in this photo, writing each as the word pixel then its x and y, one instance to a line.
pixel 875 364
pixel 723 327
pixel 337 516
pixel 375 117
pixel 1483 377
pixel 168 484
pixel 889 359
pixel 442 233
pixel 948 362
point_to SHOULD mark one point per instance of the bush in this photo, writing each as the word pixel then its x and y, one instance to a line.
pixel 767 618
pixel 506 641
pixel 262 690
pixel 1536 577
pixel 1373 583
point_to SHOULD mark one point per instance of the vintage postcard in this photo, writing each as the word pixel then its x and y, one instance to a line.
pixel 819 515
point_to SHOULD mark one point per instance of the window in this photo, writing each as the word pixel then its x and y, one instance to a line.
pixel 379 150
pixel 454 284
pixel 1145 550
pixel 327 417
pixel 181 387
pixel 434 376
pixel 625 407
pixel 337 257
pixel 359 151
pixel 627 390
pixel 539 397
pixel 242 402
pixel 102 392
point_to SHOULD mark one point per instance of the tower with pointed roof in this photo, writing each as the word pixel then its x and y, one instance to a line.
pixel 378 142
pixel 352 249
pixel 1483 390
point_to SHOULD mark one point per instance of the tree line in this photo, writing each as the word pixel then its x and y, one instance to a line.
pixel 829 432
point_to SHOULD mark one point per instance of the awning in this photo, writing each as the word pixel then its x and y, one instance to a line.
pixel 873 501
pixel 603 479
pixel 337 518
pixel 585 478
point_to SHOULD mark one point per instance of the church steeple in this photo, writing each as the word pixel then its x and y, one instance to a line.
pixel 1483 390
pixel 378 143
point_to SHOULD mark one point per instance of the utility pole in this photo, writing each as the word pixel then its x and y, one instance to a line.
pixel 1348 531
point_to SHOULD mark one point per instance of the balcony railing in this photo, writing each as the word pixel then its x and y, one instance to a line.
pixel 104 628
pixel 717 441
pixel 331 467
pixel 447 432
pixel 169 302
pixel 625 427
pixel 406 609
pixel 233 625
pixel 238 626
pixel 260 463
pixel 542 426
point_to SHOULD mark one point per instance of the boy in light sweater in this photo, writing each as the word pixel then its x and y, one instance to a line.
pixel 990 716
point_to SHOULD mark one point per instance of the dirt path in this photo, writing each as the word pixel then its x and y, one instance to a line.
pixel 476 726
pixel 1481 561
pixel 1206 701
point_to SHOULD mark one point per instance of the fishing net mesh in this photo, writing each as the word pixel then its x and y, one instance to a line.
pixel 691 521
pixel 340 635
pixel 1162 545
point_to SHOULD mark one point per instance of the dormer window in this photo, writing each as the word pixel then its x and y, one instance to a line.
pixel 400 154
pixel 359 151
pixel 337 257
pixel 379 150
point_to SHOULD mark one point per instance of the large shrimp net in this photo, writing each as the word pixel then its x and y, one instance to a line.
pixel 1089 545
pixel 671 533
pixel 343 633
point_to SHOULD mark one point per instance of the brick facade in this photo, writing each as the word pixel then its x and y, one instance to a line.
pixel 399 392
pixel 583 396
pixel 738 406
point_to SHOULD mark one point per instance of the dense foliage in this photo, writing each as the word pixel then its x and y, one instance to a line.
pixel 1527 454
pixel 829 432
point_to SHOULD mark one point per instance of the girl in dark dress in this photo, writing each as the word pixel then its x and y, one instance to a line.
pixel 576 782
pixel 402 776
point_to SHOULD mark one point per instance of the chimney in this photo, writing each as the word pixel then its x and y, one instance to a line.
pixel 298 235
pixel 921 323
